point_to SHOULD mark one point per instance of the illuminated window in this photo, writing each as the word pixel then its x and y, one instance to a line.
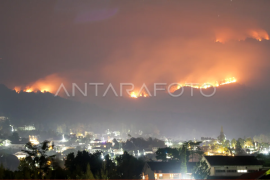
pixel 176 176
pixel 251 171
pixel 242 171
pixel 160 176
pixel 220 171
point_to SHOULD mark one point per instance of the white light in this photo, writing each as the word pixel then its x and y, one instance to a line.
pixel 265 151
pixel 63 139
pixel 12 129
pixel 242 171
pixel 139 153
pixel 7 143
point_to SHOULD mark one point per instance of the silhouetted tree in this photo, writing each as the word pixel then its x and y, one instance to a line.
pixel 168 153
pixel 238 148
pixel 2 171
pixel 128 167
pixel 226 143
pixel 116 144
pixel 233 143
pixel 183 160
pixel 265 158
pixel 88 173
pixel 242 142
pixel 14 138
pixel 201 170
pixel 37 157
pixel 77 165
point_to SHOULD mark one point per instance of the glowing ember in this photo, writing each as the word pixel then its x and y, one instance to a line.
pixel 228 81
pixel 47 84
pixel 30 89
pixel 133 95
pixel 259 35
pixel 17 89
pixel 136 94
pixel 224 35
pixel 209 85
pixel 196 86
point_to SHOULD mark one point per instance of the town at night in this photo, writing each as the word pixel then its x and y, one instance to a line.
pixel 134 89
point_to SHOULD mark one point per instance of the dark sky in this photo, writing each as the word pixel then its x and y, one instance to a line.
pixel 45 43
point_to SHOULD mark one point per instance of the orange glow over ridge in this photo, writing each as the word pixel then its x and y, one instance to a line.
pixel 136 94
pixel 32 89
pixel 172 89
pixel 224 35
pixel 208 84
pixel 47 84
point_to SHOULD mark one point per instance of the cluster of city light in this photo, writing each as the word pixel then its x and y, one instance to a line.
pixel 33 140
pixel 265 151
pixel 6 143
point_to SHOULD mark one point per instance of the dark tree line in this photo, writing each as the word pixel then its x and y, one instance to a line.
pixel 141 143
pixel 189 148
pixel 84 165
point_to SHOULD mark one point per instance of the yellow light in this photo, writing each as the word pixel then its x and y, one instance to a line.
pixel 207 85
pixel 133 95
pixel 33 140
pixel 28 90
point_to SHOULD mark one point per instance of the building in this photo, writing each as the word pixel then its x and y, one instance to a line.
pixel 165 170
pixel 207 139
pixel 116 133
pixel 6 142
pixel 231 166
pixel 88 133
pixel 27 128
pixel 3 118
pixel 20 155
pixel 255 175
pixel 206 148
pixel 222 136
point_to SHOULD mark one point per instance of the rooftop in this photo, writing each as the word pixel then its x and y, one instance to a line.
pixel 232 160
pixel 169 167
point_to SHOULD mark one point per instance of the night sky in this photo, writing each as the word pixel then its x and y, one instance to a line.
pixel 45 43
